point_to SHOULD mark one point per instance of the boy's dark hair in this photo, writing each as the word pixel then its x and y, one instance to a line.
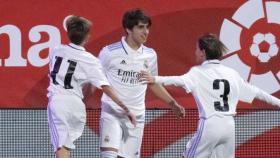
pixel 213 47
pixel 77 29
pixel 133 17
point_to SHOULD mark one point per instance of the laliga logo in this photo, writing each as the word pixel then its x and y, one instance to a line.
pixel 260 38
pixel 252 37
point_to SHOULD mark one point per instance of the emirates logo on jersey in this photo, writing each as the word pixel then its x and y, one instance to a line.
pixel 131 77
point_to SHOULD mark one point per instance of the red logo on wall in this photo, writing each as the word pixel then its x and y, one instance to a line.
pixel 252 37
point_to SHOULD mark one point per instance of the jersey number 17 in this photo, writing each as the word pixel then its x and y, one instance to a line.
pixel 69 73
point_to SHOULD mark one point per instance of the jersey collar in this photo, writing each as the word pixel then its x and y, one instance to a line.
pixel 77 47
pixel 128 49
pixel 215 61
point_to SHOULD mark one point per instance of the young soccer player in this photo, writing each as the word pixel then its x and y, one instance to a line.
pixel 122 62
pixel 70 68
pixel 217 90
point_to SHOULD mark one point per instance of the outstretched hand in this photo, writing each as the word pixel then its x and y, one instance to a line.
pixel 177 109
pixel 146 77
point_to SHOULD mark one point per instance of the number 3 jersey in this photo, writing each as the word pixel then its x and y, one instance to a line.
pixel 122 66
pixel 70 67
pixel 215 87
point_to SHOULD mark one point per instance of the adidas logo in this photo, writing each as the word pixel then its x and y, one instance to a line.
pixel 123 62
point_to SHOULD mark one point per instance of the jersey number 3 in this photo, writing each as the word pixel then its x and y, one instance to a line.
pixel 217 104
pixel 69 73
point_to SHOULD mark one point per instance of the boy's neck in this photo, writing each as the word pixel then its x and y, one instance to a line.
pixel 132 44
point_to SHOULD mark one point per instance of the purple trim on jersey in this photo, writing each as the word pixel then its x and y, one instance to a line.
pixel 124 48
pixel 150 50
pixel 199 138
pixel 75 48
pixel 114 46
pixel 192 150
pixel 126 51
pixel 200 107
pixel 53 129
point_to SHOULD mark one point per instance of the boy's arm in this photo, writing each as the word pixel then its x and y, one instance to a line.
pixel 162 93
pixel 111 93
pixel 264 96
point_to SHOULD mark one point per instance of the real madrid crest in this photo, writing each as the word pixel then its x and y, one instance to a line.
pixel 106 139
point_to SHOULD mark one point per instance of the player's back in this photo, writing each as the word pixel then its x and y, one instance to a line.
pixel 69 69
pixel 216 89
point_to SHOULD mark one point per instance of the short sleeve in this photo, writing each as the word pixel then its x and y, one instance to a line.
pixel 95 74
pixel 103 57
pixel 52 52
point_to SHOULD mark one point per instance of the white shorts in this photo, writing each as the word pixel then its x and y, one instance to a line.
pixel 66 118
pixel 119 133
pixel 215 138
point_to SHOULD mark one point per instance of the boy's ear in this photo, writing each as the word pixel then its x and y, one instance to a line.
pixel 203 53
pixel 128 30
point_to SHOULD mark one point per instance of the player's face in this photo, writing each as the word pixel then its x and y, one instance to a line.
pixel 139 33
pixel 199 55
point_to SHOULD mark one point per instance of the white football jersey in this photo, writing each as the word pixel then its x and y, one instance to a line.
pixel 215 87
pixel 122 66
pixel 70 67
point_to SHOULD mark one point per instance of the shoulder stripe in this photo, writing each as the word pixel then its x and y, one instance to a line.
pixel 114 48
pixel 150 50
pixel 116 44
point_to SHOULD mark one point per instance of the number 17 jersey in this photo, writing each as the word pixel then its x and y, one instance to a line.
pixel 70 67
